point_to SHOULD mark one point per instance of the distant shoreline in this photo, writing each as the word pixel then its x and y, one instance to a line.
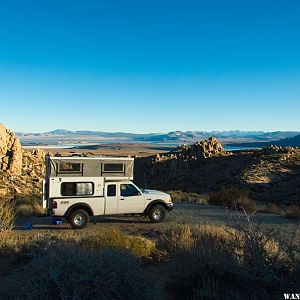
pixel 78 146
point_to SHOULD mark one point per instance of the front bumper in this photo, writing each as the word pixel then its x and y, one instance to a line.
pixel 170 206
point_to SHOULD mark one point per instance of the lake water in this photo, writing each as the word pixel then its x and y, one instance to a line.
pixel 81 145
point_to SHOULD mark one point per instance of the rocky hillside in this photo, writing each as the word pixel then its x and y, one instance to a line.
pixel 271 174
pixel 21 172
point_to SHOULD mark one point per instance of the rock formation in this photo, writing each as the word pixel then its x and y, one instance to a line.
pixel 10 152
pixel 200 150
pixel 21 171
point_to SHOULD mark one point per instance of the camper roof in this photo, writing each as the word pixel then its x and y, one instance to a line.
pixel 97 158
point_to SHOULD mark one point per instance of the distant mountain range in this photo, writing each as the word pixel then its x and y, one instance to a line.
pixel 291 142
pixel 234 137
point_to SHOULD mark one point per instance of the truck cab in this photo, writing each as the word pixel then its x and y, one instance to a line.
pixel 77 188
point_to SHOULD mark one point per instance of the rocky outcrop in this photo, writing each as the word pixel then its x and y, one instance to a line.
pixel 21 171
pixel 198 151
pixel 10 152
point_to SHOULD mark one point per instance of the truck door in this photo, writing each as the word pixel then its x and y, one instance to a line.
pixel 111 199
pixel 130 199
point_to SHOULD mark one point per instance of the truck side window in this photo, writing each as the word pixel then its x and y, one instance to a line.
pixel 111 190
pixel 127 190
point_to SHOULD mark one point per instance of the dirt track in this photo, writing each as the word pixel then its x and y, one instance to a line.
pixel 183 213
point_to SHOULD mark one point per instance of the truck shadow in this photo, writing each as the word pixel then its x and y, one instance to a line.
pixel 120 220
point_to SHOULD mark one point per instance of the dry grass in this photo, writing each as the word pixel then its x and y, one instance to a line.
pixel 272 208
pixel 185 196
pixel 63 271
pixel 102 265
pixel 236 261
pixel 233 262
pixel 7 215
pixel 115 239
pixel 233 198
pixel 24 210
pixel 31 202
pixel 290 211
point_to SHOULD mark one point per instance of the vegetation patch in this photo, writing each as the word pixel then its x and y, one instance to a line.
pixel 292 212
pixel 115 239
pixel 65 271
pixel 29 204
pixel 208 262
pixel 7 215
pixel 178 195
pixel 233 198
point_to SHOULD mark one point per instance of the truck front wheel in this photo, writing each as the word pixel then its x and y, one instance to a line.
pixel 79 218
pixel 157 214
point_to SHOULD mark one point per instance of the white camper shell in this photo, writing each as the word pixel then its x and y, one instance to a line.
pixel 79 187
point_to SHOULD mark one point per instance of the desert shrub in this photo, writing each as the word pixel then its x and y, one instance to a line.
pixel 241 262
pixel 9 242
pixel 178 195
pixel 292 212
pixel 24 210
pixel 272 208
pixel 233 198
pixel 115 239
pixel 68 272
pixel 176 238
pixel 24 244
pixel 32 201
pixel 7 215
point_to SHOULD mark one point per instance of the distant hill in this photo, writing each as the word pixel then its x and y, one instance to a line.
pixel 286 142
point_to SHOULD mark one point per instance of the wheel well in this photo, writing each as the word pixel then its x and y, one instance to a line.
pixel 151 204
pixel 83 206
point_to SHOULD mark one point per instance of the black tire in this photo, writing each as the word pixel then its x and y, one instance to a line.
pixel 79 218
pixel 157 213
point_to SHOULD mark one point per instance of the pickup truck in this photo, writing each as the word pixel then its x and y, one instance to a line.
pixel 77 188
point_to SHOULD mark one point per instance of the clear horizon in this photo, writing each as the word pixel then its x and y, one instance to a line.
pixel 150 67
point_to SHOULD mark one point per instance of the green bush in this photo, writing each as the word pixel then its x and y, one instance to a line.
pixel 67 272
pixel 233 198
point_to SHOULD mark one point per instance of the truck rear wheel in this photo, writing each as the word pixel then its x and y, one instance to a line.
pixel 157 214
pixel 79 218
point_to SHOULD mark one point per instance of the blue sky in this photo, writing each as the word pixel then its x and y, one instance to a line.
pixel 150 66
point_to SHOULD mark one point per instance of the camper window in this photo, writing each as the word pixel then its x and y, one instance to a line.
pixel 77 188
pixel 68 167
pixel 112 168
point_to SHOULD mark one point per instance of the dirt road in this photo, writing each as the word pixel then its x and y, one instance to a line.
pixel 183 213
